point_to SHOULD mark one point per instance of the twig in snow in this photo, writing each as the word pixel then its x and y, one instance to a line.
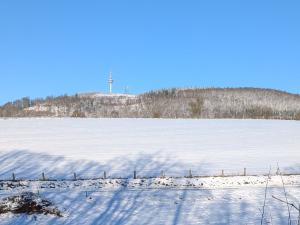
pixel 292 205
pixel 271 217
pixel 288 203
pixel 266 189
pixel 285 194
pixel 299 215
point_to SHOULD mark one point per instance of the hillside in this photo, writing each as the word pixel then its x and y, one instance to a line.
pixel 251 103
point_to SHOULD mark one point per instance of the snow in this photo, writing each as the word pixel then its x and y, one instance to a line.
pixel 100 95
pixel 153 183
pixel 59 147
pixel 39 108
pixel 157 206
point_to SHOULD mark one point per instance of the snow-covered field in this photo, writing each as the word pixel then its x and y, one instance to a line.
pixel 163 207
pixel 60 147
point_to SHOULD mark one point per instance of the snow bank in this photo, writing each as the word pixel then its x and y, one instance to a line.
pixel 154 183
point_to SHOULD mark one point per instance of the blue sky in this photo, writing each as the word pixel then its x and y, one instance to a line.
pixel 53 47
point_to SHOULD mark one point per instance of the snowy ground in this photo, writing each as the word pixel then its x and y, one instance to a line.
pixel 153 183
pixel 208 200
pixel 163 206
pixel 60 147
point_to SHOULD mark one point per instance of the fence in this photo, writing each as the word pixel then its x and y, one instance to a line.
pixel 135 174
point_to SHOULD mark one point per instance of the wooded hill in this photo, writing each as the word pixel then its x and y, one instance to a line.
pixel 244 103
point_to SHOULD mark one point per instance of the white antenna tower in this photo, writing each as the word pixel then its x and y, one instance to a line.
pixel 110 82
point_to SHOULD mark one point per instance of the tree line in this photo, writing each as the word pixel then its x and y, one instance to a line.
pixel 236 103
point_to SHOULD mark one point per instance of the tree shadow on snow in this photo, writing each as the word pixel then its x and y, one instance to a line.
pixel 125 206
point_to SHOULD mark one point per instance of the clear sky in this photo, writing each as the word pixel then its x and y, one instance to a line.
pixel 53 47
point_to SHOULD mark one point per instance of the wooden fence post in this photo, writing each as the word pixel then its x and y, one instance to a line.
pixel 245 171
pixel 75 176
pixel 222 173
pixel 134 174
pixel 162 174
pixel 104 174
pixel 13 177
pixel 190 173
pixel 43 176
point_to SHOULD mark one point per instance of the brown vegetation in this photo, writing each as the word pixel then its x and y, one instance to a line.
pixel 28 203
pixel 167 103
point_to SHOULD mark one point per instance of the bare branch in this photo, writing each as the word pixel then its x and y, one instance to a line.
pixel 285 194
pixel 266 189
pixel 291 204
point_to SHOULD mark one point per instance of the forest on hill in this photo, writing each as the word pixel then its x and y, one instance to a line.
pixel 237 103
